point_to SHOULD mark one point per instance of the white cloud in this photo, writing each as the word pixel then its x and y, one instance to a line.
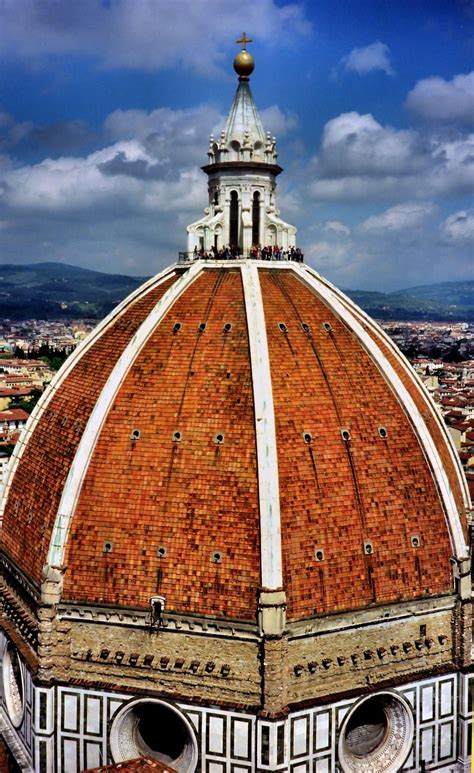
pixel 173 137
pixel 402 217
pixel 358 144
pixel 375 56
pixel 278 121
pixel 120 178
pixel 323 251
pixel 361 160
pixel 435 99
pixel 336 228
pixel 459 227
pixel 149 34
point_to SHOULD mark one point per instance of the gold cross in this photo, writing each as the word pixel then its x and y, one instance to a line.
pixel 244 40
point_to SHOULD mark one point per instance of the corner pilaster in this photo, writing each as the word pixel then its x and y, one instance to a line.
pixel 274 653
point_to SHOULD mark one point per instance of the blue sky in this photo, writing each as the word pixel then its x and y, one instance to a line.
pixel 106 107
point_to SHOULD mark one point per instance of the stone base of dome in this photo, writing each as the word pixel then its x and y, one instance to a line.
pixel 67 729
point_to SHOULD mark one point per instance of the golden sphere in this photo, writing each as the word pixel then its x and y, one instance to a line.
pixel 244 64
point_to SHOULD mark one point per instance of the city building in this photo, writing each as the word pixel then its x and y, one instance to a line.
pixel 13 419
pixel 235 530
pixel 4 460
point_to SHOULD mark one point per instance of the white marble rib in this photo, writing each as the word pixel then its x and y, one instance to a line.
pixel 267 459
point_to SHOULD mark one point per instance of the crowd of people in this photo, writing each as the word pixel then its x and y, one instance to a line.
pixel 231 252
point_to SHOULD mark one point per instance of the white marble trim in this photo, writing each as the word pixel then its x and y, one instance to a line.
pixel 267 459
pixel 98 416
pixel 428 446
pixel 64 372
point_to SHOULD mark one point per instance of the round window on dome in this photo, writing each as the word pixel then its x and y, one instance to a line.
pixel 376 734
pixel 13 684
pixel 153 728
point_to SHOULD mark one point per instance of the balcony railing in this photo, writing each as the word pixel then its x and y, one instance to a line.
pixel 269 254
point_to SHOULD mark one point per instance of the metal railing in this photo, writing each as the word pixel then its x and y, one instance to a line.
pixel 296 255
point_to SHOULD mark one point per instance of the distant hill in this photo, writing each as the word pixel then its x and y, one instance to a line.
pixel 58 290
pixel 437 302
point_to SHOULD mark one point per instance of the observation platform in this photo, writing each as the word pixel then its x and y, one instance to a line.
pixel 293 254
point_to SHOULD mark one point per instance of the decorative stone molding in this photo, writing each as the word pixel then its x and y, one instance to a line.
pixel 140 618
pixel 10 570
pixel 386 613
pixel 137 660
pixel 361 660
pixel 19 614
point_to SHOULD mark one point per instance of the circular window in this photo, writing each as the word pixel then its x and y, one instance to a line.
pixel 153 728
pixel 13 684
pixel 376 734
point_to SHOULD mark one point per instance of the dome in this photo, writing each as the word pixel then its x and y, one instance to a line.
pixel 235 427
